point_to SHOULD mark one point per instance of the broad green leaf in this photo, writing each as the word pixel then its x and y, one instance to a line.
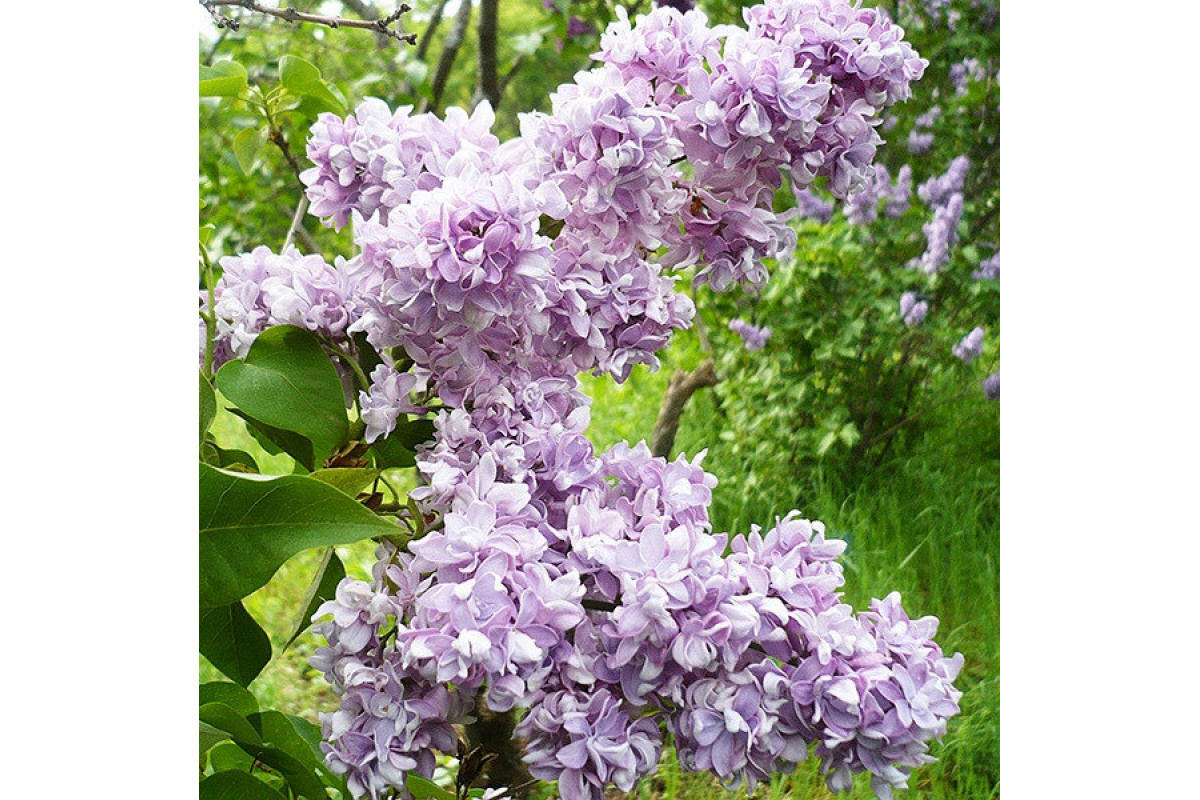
pixel 237 460
pixel 301 777
pixel 250 525
pixel 826 442
pixel 421 788
pixel 206 232
pixel 208 405
pixel 349 481
pixel 210 736
pixel 232 695
pixel 236 785
pixel 223 79
pixel 278 731
pixel 398 449
pixel 288 382
pixel 224 718
pixel 233 641
pixel 309 732
pixel 229 756
pixel 276 440
pixel 368 358
pixel 300 77
pixel 246 147
pixel 323 587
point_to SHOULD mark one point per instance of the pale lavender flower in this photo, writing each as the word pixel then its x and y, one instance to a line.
pixel 991 386
pixel 912 310
pixel 387 399
pixel 919 142
pixel 753 337
pixel 970 347
pixel 813 206
pixel 989 268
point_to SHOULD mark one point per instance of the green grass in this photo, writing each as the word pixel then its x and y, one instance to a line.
pixel 926 524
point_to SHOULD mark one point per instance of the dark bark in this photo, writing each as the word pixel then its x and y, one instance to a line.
pixel 681 388
pixel 450 50
pixel 489 78
pixel 494 733
pixel 434 21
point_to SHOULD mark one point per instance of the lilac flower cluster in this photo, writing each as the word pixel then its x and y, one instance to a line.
pixel 970 347
pixel 989 269
pixel 912 310
pixel 811 205
pixel 964 73
pixel 991 386
pixel 754 338
pixel 920 138
pixel 942 193
pixel 862 207
pixel 260 289
pixel 589 588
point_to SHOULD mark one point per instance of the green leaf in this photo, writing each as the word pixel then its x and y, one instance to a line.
pixel 238 460
pixel 349 481
pixel 422 788
pixel 250 525
pixel 208 405
pixel 826 442
pixel 368 358
pixel 232 640
pixel 300 777
pixel 323 586
pixel 278 730
pixel 230 694
pixel 288 382
pixel 276 440
pixel 232 785
pixel 310 733
pixel 210 736
pixel 300 77
pixel 224 718
pixel 246 147
pixel 223 79
pixel 206 232
pixel 398 449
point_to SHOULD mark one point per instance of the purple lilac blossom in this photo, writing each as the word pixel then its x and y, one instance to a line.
pixel 812 206
pixel 260 289
pixel 989 269
pixel 589 587
pixel 754 338
pixel 919 142
pixel 964 73
pixel 580 27
pixel 971 345
pixel 912 310
pixel 991 386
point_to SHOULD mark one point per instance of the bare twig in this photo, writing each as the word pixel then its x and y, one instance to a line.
pixel 381 26
pixel 297 218
pixel 681 388
pixel 450 50
pixel 489 78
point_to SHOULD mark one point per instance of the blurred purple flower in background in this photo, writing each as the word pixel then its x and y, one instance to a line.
pixel 991 386
pixel 753 337
pixel 912 310
pixel 970 347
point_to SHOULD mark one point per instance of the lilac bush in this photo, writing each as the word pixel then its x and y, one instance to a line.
pixel 590 588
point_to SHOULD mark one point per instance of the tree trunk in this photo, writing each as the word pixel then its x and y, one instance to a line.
pixel 681 388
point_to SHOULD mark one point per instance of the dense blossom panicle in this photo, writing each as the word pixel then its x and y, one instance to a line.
pixel 919 142
pixel 912 310
pixel 989 268
pixel 387 399
pixel 939 189
pixel 862 207
pixel 261 288
pixel 373 160
pixel 754 338
pixel 587 741
pixel 590 588
pixel 970 347
pixel 964 73
pixel 991 386
pixel 812 206
pixel 941 233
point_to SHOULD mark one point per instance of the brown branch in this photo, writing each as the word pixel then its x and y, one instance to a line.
pixel 450 50
pixel 368 12
pixel 681 388
pixel 489 77
pixel 435 20
pixel 381 26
